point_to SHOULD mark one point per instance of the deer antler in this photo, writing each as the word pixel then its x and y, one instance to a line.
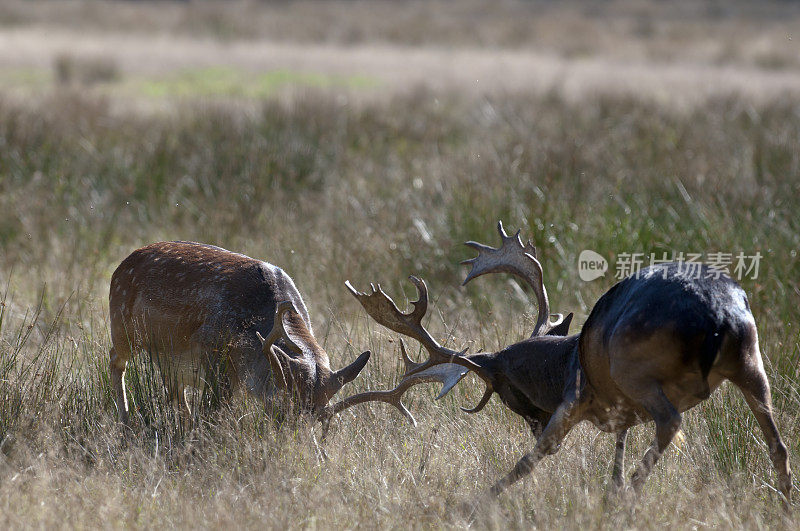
pixel 518 259
pixel 443 365
pixel 279 332
pixel 384 311
pixel 447 374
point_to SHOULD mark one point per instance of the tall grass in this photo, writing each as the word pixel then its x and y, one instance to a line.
pixel 374 193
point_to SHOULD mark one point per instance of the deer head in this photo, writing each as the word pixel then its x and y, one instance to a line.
pixel 300 365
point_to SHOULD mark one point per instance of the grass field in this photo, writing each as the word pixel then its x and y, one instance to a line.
pixel 292 166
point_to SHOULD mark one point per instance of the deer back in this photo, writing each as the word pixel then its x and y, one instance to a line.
pixel 189 291
pixel 677 325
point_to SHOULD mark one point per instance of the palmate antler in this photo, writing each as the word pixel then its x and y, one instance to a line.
pixel 447 374
pixel 445 366
pixel 518 259
pixel 384 311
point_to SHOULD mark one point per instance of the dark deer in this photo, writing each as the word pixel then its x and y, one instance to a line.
pixel 195 307
pixel 655 345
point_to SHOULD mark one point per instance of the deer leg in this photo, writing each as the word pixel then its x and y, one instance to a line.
pixel 117 367
pixel 178 398
pixel 617 484
pixel 618 470
pixel 183 402
pixel 561 422
pixel 668 422
pixel 535 425
pixel 537 420
pixel 755 388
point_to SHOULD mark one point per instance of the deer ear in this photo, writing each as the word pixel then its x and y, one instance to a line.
pixel 561 327
pixel 349 373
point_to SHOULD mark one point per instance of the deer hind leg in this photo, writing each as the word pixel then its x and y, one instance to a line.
pixel 755 388
pixel 648 394
pixel 618 470
pixel 564 418
pixel 668 422
pixel 617 485
pixel 117 369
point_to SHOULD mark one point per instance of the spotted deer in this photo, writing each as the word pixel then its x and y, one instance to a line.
pixel 195 307
pixel 655 345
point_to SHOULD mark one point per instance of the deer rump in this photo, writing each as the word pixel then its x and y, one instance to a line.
pixel 685 329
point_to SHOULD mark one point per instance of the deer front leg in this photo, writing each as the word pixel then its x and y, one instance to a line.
pixel 177 395
pixel 561 422
pixel 117 370
pixel 180 399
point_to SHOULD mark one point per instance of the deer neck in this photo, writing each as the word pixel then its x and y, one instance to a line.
pixel 533 375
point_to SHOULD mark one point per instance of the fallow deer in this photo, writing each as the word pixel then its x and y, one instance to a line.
pixel 655 345
pixel 195 307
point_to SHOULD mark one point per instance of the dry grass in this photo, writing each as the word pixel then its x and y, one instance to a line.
pixel 373 192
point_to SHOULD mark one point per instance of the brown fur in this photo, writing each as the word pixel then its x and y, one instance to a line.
pixel 191 305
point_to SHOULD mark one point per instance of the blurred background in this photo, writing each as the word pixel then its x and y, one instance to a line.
pixel 151 51
pixel 124 122
pixel 367 140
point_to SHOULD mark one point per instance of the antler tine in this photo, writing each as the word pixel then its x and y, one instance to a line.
pixel 515 258
pixel 502 230
pixel 384 311
pixel 528 247
pixel 409 364
pixel 447 374
pixel 392 397
pixel 278 330
pixel 484 400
